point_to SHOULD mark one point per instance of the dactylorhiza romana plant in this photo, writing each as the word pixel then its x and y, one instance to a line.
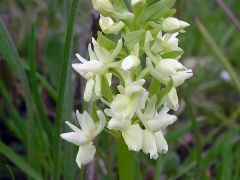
pixel 125 77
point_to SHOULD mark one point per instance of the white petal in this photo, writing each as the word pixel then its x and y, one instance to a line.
pixel 142 100
pixel 88 93
pixel 102 122
pixel 94 66
pixel 161 123
pixel 75 138
pixel 108 112
pixel 98 86
pixel 102 54
pixel 74 128
pixel 109 78
pixel 162 146
pixel 85 154
pixel 130 63
pixel 87 124
pixel 92 55
pixel 117 49
pixel 149 144
pixel 181 76
pixel 133 137
pixel 118 124
pixel 172 100
pixel 80 58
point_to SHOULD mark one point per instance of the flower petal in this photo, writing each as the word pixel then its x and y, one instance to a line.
pixel 162 146
pixel 133 137
pixel 88 93
pixel 85 154
pixel 118 124
pixel 149 144
pixel 94 66
pixel 87 124
pixel 74 137
pixel 150 109
pixel 102 122
pixel 160 124
pixel 172 99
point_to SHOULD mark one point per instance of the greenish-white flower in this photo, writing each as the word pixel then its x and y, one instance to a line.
pixel 167 69
pixel 108 26
pixel 83 137
pixel 121 112
pixel 172 25
pixel 154 123
pixel 100 61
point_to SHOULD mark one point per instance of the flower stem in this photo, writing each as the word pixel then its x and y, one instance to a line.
pixel 125 161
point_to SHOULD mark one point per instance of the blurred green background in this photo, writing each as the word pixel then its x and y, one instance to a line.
pixel 203 143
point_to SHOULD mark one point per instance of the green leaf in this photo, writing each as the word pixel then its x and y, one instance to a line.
pixel 154 87
pixel 155 11
pixel 164 92
pixel 133 37
pixel 18 161
pixel 36 95
pixel 105 89
pixel 172 54
pixel 10 54
pixel 61 90
pixel 109 44
pixel 218 53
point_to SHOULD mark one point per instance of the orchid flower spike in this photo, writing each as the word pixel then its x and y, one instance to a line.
pixel 83 137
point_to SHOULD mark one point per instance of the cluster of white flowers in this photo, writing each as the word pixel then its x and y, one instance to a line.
pixel 145 52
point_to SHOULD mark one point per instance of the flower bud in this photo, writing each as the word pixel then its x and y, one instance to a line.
pixel 104 7
pixel 130 63
pixel 138 3
pixel 109 27
pixel 172 25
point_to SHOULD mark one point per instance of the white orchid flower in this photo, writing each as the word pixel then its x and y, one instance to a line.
pixel 166 43
pixel 172 25
pixel 121 112
pixel 100 61
pixel 83 137
pixel 154 123
pixel 168 69
pixel 108 26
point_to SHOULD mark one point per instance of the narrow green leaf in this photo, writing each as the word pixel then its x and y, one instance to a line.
pixel 218 53
pixel 109 44
pixel 37 99
pixel 18 161
pixel 105 89
pixel 154 87
pixel 133 37
pixel 172 54
pixel 60 99
pixel 10 54
pixel 155 11
pixel 164 92
pixel 19 123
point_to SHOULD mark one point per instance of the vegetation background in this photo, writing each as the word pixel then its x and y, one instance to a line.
pixel 35 46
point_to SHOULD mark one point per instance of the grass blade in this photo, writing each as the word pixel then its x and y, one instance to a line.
pixel 64 72
pixel 18 161
pixel 39 106
pixel 10 54
pixel 222 58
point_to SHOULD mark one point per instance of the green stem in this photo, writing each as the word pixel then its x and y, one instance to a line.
pixel 60 99
pixel 125 161
pixel 222 58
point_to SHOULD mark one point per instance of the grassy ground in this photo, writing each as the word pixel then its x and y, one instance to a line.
pixel 204 142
